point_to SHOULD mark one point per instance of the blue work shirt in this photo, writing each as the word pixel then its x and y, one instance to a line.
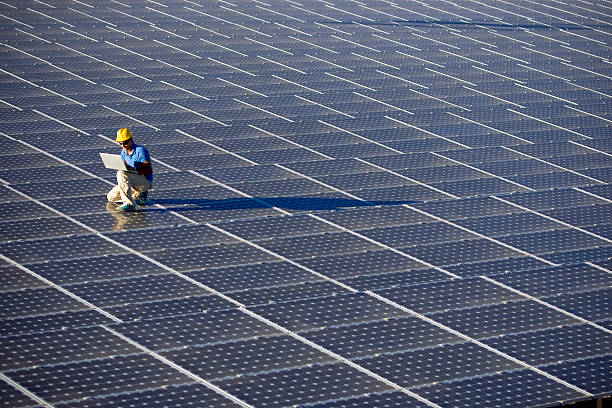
pixel 139 154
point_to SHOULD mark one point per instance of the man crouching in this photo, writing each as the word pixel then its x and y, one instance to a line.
pixel 140 180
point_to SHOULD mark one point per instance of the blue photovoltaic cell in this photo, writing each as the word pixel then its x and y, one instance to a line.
pixel 168 307
pixel 449 294
pixel 507 389
pixel 497 266
pixel 277 227
pixel 549 199
pixel 599 253
pixel 552 241
pixel 387 399
pixel 209 256
pixel 583 216
pixel 550 345
pixel 382 336
pixel 329 311
pixel 140 289
pixel 286 388
pixel 174 395
pixel 193 329
pixel 20 210
pixel 246 357
pixel 509 317
pixel 584 372
pixel 353 205
pixel 379 216
pixel 94 268
pixel 398 194
pixel 54 321
pixel 281 188
pixel 427 233
pixel 247 173
pixel 361 263
pixel 557 279
pixel 79 380
pixel 507 224
pixel 12 397
pixel 418 367
pixel 394 279
pixel 470 207
pixel 37 301
pixel 593 305
pixel 318 245
pixel 286 293
pixel 52 249
pixel 60 347
pixel 469 250
pixel 13 278
pixel 478 187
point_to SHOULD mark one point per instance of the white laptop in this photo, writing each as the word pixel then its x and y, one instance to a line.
pixel 115 162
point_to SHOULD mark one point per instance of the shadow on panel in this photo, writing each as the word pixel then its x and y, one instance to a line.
pixel 290 203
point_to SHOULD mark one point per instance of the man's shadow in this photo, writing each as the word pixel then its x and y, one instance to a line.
pixel 288 203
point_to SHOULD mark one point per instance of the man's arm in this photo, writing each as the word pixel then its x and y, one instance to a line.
pixel 144 168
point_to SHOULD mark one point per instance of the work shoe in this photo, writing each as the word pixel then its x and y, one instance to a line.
pixel 141 199
pixel 126 207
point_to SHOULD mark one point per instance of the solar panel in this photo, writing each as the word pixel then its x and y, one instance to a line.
pixel 355 204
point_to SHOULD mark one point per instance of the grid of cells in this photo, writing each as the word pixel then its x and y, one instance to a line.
pixel 356 203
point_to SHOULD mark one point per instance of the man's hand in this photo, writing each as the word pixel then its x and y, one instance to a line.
pixel 127 166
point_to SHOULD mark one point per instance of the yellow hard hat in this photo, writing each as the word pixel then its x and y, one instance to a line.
pixel 123 134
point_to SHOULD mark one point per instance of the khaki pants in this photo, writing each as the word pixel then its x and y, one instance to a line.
pixel 126 182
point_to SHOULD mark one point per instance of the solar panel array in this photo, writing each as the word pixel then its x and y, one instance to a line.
pixel 357 203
